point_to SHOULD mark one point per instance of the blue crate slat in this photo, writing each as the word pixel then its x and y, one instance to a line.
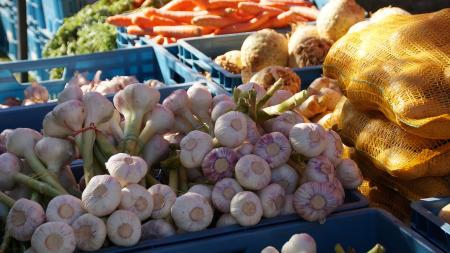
pixel 56 10
pixel 145 63
pixel 35 14
pixel 9 44
pixel 425 220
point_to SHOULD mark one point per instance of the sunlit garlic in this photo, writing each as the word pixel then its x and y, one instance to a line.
pixel 123 228
pixel 272 200
pixel 54 237
pixel 274 148
pixel 283 123
pixel 300 243
pixel 308 139
pixel 253 132
pixel 64 208
pixel 101 195
pixel 231 129
pixel 192 212
pixel 157 121
pixel 318 169
pixel 252 172
pixel 194 147
pixel 70 92
pixel 200 100
pixel 269 249
pixel 178 102
pixel 246 208
pixel 219 163
pixel 260 91
pixel 278 97
pixel 136 199
pixel 223 192
pixel 220 98
pixel 286 177
pixel 9 166
pixel 349 174
pixel 221 108
pixel 126 169
pixel 163 199
pixel 36 93
pixel 334 149
pixel 54 152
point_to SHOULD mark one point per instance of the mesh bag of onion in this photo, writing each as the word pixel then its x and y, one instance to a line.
pixel 399 66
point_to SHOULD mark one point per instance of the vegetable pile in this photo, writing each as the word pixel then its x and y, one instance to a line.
pixel 167 168
pixel 191 18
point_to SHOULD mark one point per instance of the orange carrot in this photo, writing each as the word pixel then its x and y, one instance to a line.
pixel 136 30
pixel 120 20
pixel 178 5
pixel 203 4
pixel 251 25
pixel 255 8
pixel 216 4
pixel 290 2
pixel 215 21
pixel 284 19
pixel 182 31
pixel 159 39
pixel 280 6
pixel 172 40
pixel 308 12
pixel 180 16
pixel 149 22
pixel 222 12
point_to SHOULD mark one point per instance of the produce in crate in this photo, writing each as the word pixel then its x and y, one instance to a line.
pixel 444 213
pixel 219 167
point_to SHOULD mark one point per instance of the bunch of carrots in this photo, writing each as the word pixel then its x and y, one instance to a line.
pixel 191 18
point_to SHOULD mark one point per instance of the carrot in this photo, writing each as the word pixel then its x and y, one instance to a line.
pixel 180 16
pixel 178 5
pixel 182 31
pixel 308 12
pixel 290 2
pixel 159 39
pixel 203 4
pixel 255 8
pixel 280 6
pixel 217 4
pixel 120 20
pixel 251 25
pixel 215 21
pixel 136 30
pixel 149 22
pixel 284 19
pixel 222 12
pixel 172 40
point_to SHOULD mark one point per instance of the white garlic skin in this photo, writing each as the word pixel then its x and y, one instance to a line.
pixel 288 207
pixel 300 243
pixel 334 149
pixel 219 163
pixel 226 220
pixel 244 149
pixel 101 195
pixel 278 97
pixel 223 192
pixel 286 177
pixel 221 108
pixel 123 228
pixel 252 172
pixel 64 208
pixel 308 139
pixel 283 123
pixel 9 166
pixel 318 169
pixel 274 148
pixel 90 232
pixel 192 212
pixel 155 149
pixel 253 133
pixel 54 152
pixel 200 99
pixel 194 147
pixel 126 169
pixel 272 200
pixel 23 219
pixel 163 199
pixel 260 91
pixel 136 199
pixel 269 249
pixel 220 98
pixel 157 229
pixel 231 129
pixel 54 237
pixel 349 174
pixel 204 190
pixel 246 208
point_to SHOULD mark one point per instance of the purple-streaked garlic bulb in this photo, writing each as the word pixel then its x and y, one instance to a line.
pixel 219 163
pixel 192 212
pixel 313 201
pixel 278 97
pixel 3 139
pixel 123 228
pixel 9 167
pixel 221 108
pixel 253 134
pixel 64 208
pixel 158 121
pixel 194 147
pixel 70 92
pixel 202 189
pixel 36 93
pixel 157 229
pixel 51 127
pixel 90 232
pixel 178 102
pixel 220 98
pixel 334 149
pixel 200 100
pixel 54 237
pixel 308 139
pixel 318 169
pixel 283 123
pixel 286 177
pixel 136 199
pixel 156 149
pixel 223 192
pixel 340 191
pixel 349 174
pixel 126 169
pixel 246 208
pixel 54 152
pixel 252 172
pixel 231 129
pixel 226 219
pixel 274 148
pixel 288 207
pixel 102 195
pixel 303 243
pixel 272 200
pixel 23 218
pixel 244 149
pixel 260 91
pixel 163 199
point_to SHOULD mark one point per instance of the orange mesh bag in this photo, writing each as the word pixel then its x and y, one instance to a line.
pixel 388 146
pixel 399 66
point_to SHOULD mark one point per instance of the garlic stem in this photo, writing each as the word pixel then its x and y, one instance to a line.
pixel 150 180
pixel 105 146
pixel 36 185
pixel 44 174
pixel 183 179
pixel 173 179
pixel 7 200
pixel 276 86
pixel 7 239
pixel 290 103
pixel 88 139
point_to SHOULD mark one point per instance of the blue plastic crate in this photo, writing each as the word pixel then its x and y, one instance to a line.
pixel 56 10
pixel 35 14
pixel 9 44
pixel 425 220
pixel 144 63
pixel 125 40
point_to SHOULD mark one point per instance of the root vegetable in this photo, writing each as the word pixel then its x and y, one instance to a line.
pixel 322 82
pixel 283 123
pixel 312 106
pixel 386 12
pixel 267 76
pixel 54 237
pixel 54 152
pixel 269 249
pixel 288 207
pixel 334 149
pixel 444 213
pixel 136 199
pixel 157 229
pixel 272 200
pixel 318 169
pixel 204 190
pixel 300 243
pixel 225 220
pixel 230 61
pixel 246 208
pixel 178 102
pixel 274 148
pixel 222 108
pixel 349 174
pixel 23 219
pixel 194 147
pixel 155 150
pixel 90 232
pixel 278 97
pixel 326 121
pixel 126 169
pixel 245 149
pixel 200 100
pixel 231 129
pixel 286 177
pixel 252 172
pixel 308 139
pixel 102 195
pixel 158 121
pixel 64 208
pixel 219 163
pixel 163 199
pixel 123 228
pixel 223 192
pixel 329 97
pixel 192 212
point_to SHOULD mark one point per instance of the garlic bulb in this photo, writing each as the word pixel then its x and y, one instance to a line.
pixel 220 98
pixel 3 139
pixel 253 132
pixel 178 102
pixel 219 163
pixel 274 148
pixel 200 100
pixel 286 177
pixel 155 150
pixel 283 123
pixel 54 237
pixel 192 212
pixel 269 249
pixel 231 129
pixel 54 152
pixel 70 92
pixel 223 192
pixel 288 207
pixel 226 220
pixel 157 121
pixel 163 199
pixel 244 149
pixel 90 232
pixel 349 174
pixel 300 243
pixel 252 172
pixel 318 169
pixel 272 200
pixel 260 91
pixel 334 149
pixel 279 96
pixel 157 229
pixel 203 190
pixel 23 218
pixel 70 115
pixel 51 127
pixel 101 195
pixel 64 208
pixel 126 169
pixel 246 208
pixel 123 228
pixel 221 108
pixel 36 93
pixel 136 199
pixel 9 166
pixel 308 139
pixel 194 147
